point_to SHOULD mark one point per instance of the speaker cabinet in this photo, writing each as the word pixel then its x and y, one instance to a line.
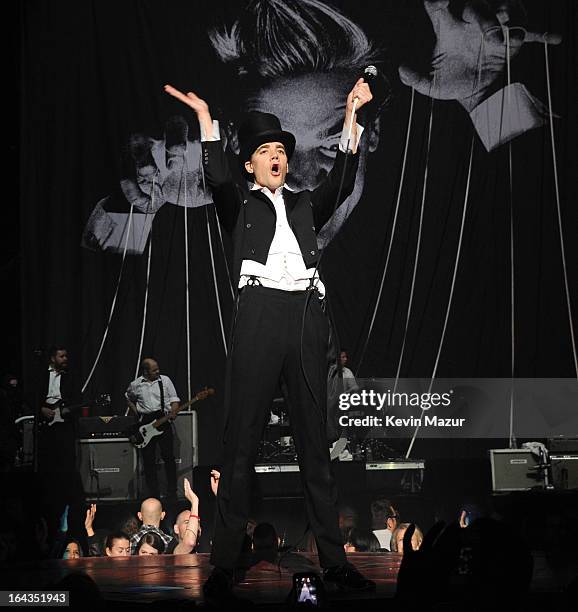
pixel 514 469
pixel 184 451
pixel 108 469
pixel 564 471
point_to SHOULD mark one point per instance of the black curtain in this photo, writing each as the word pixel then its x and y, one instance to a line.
pixel 92 104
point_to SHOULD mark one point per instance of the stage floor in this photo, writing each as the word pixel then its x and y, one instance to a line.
pixel 150 578
pixel 136 581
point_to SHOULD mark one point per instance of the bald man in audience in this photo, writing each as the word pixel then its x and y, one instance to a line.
pixel 151 514
pixel 187 526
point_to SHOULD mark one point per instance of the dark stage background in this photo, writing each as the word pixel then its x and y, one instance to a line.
pixel 94 121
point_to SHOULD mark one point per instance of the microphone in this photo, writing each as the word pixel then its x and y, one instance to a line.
pixel 369 74
pixel 381 90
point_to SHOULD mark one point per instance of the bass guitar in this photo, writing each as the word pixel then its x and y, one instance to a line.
pixel 146 432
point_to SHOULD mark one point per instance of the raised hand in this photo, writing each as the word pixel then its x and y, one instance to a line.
pixel 215 476
pixel 89 520
pixel 64 519
pixel 460 67
pixel 197 104
pixel 425 573
pixel 190 494
pixel 190 99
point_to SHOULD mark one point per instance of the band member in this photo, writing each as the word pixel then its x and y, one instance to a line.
pixel 275 237
pixel 56 432
pixel 150 397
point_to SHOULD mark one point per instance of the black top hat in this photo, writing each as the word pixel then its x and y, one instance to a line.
pixel 259 128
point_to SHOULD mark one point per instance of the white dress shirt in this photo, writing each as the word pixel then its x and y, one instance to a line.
pixel 54 395
pixel 146 394
pixel 384 537
pixel 284 268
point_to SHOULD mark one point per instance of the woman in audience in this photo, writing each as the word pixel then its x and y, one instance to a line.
pixel 397 538
pixel 361 540
pixel 117 544
pixel 150 544
pixel 72 550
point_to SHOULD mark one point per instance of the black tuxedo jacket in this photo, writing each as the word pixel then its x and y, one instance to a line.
pixel 250 216
pixel 69 388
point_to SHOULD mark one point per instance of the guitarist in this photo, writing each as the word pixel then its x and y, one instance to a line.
pixel 61 481
pixel 57 443
pixel 150 397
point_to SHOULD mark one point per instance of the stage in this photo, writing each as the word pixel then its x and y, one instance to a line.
pixel 176 580
pixel 147 579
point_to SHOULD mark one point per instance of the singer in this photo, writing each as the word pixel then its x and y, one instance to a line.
pixel 275 267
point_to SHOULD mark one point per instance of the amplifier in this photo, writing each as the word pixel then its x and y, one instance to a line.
pixel 563 445
pixel 184 442
pixel 104 427
pixel 564 471
pixel 108 469
pixel 514 469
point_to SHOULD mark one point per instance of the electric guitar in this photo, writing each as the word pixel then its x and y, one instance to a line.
pixel 145 433
pixel 63 412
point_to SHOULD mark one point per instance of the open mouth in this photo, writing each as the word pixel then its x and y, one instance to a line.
pixel 275 170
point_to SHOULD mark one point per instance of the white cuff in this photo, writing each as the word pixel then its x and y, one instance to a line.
pixel 344 138
pixel 216 135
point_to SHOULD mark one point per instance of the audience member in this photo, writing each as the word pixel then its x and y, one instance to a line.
pixel 265 551
pixel 151 514
pixel 84 592
pixel 397 538
pixel 347 520
pixel 129 524
pixel 94 547
pixel 384 518
pixel 117 544
pixel 149 544
pixel 187 526
pixel 361 540
pixel 461 568
pixel 72 550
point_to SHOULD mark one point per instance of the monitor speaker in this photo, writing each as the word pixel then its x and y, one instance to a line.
pixel 184 451
pixel 108 469
pixel 515 469
pixel 564 471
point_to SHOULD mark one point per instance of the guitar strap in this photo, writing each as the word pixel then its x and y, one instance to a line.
pixel 162 411
pixel 162 390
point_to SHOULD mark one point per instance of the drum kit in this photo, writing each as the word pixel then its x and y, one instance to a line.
pixel 277 445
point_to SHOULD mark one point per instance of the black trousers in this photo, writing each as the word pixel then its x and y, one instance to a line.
pixel 61 483
pixel 57 448
pixel 165 443
pixel 265 347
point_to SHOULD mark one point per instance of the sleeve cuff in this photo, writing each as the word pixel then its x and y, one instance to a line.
pixel 345 133
pixel 507 114
pixel 216 135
